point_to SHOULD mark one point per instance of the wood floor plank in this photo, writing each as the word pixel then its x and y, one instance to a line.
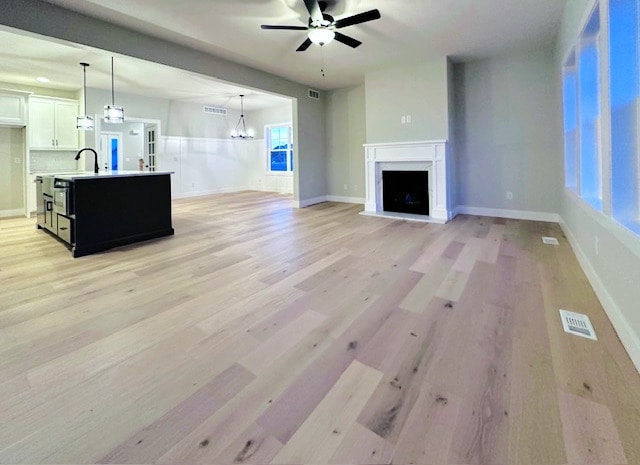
pixel 321 434
pixel 258 329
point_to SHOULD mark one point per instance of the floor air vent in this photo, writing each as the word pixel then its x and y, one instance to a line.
pixel 550 240
pixel 215 110
pixel 577 324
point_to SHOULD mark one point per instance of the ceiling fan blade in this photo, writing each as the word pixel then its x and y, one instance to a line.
pixel 350 41
pixel 357 19
pixel 288 28
pixel 305 45
pixel 314 9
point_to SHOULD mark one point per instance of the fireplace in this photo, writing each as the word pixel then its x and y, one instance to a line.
pixel 405 192
pixel 428 160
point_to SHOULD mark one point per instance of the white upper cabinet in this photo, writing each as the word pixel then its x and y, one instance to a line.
pixel 52 123
pixel 13 108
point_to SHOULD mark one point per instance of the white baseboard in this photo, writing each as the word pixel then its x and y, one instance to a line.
pixel 11 213
pixel 309 202
pixel 186 195
pixel 628 337
pixel 340 199
pixel 327 198
pixel 228 190
pixel 502 213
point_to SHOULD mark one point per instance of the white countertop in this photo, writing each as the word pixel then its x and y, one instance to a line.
pixel 104 174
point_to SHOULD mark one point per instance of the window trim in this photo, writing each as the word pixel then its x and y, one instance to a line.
pixel 267 143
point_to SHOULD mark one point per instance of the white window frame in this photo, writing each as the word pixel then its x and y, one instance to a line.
pixel 267 139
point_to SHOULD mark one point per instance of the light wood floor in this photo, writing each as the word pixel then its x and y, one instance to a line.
pixel 260 333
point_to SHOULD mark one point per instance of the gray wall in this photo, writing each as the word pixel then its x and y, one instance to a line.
pixel 420 91
pixel 274 115
pixel 346 133
pixel 614 269
pixel 508 132
pixel 12 141
pixel 135 106
pixel 49 20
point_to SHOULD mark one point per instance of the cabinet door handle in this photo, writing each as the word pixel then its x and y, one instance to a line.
pixel 53 142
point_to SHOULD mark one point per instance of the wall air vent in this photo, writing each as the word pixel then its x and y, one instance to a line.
pixel 215 110
pixel 314 94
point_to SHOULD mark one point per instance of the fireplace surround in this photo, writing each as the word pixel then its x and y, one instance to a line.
pixel 430 156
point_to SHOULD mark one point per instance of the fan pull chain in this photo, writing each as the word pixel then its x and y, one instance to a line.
pixel 322 60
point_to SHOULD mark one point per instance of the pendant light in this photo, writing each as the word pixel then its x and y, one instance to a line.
pixel 240 131
pixel 84 122
pixel 113 113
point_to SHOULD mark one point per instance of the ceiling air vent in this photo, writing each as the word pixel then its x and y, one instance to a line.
pixel 314 94
pixel 215 110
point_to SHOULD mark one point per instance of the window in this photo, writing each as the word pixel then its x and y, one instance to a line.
pixel 589 113
pixel 570 95
pixel 625 104
pixel 602 135
pixel 279 140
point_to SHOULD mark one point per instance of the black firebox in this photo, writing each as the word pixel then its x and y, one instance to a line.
pixel 405 192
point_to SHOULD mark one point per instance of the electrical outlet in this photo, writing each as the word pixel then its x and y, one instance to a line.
pixel 509 195
pixel 17 160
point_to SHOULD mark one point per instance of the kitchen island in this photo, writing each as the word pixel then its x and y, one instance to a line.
pixel 95 212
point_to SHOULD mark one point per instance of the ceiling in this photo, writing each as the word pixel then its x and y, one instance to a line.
pixel 409 31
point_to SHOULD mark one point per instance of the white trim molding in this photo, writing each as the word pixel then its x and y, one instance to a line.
pixel 309 202
pixel 12 213
pixel 431 156
pixel 327 198
pixel 341 199
pixel 513 214
pixel 627 335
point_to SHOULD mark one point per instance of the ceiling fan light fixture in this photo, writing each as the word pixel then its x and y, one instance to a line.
pixel 321 35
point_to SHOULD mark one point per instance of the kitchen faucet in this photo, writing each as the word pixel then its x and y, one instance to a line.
pixel 95 158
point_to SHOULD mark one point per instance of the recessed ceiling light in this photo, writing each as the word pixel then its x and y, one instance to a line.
pixel 42 79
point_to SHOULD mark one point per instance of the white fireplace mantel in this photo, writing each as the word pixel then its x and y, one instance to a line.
pixel 428 156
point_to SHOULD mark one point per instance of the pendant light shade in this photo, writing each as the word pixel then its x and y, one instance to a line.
pixel 240 131
pixel 85 122
pixel 113 113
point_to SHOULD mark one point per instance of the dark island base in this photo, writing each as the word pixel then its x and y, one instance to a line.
pixel 87 249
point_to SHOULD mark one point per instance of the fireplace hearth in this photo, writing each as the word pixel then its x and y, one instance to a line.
pixel 405 192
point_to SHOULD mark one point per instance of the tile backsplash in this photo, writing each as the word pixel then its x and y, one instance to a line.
pixel 45 161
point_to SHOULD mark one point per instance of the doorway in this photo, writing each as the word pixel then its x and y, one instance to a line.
pixel 111 151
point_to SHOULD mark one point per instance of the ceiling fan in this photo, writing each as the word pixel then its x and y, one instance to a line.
pixel 322 27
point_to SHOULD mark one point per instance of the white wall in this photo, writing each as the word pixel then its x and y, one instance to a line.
pixel 508 133
pixel 613 269
pixel 204 166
